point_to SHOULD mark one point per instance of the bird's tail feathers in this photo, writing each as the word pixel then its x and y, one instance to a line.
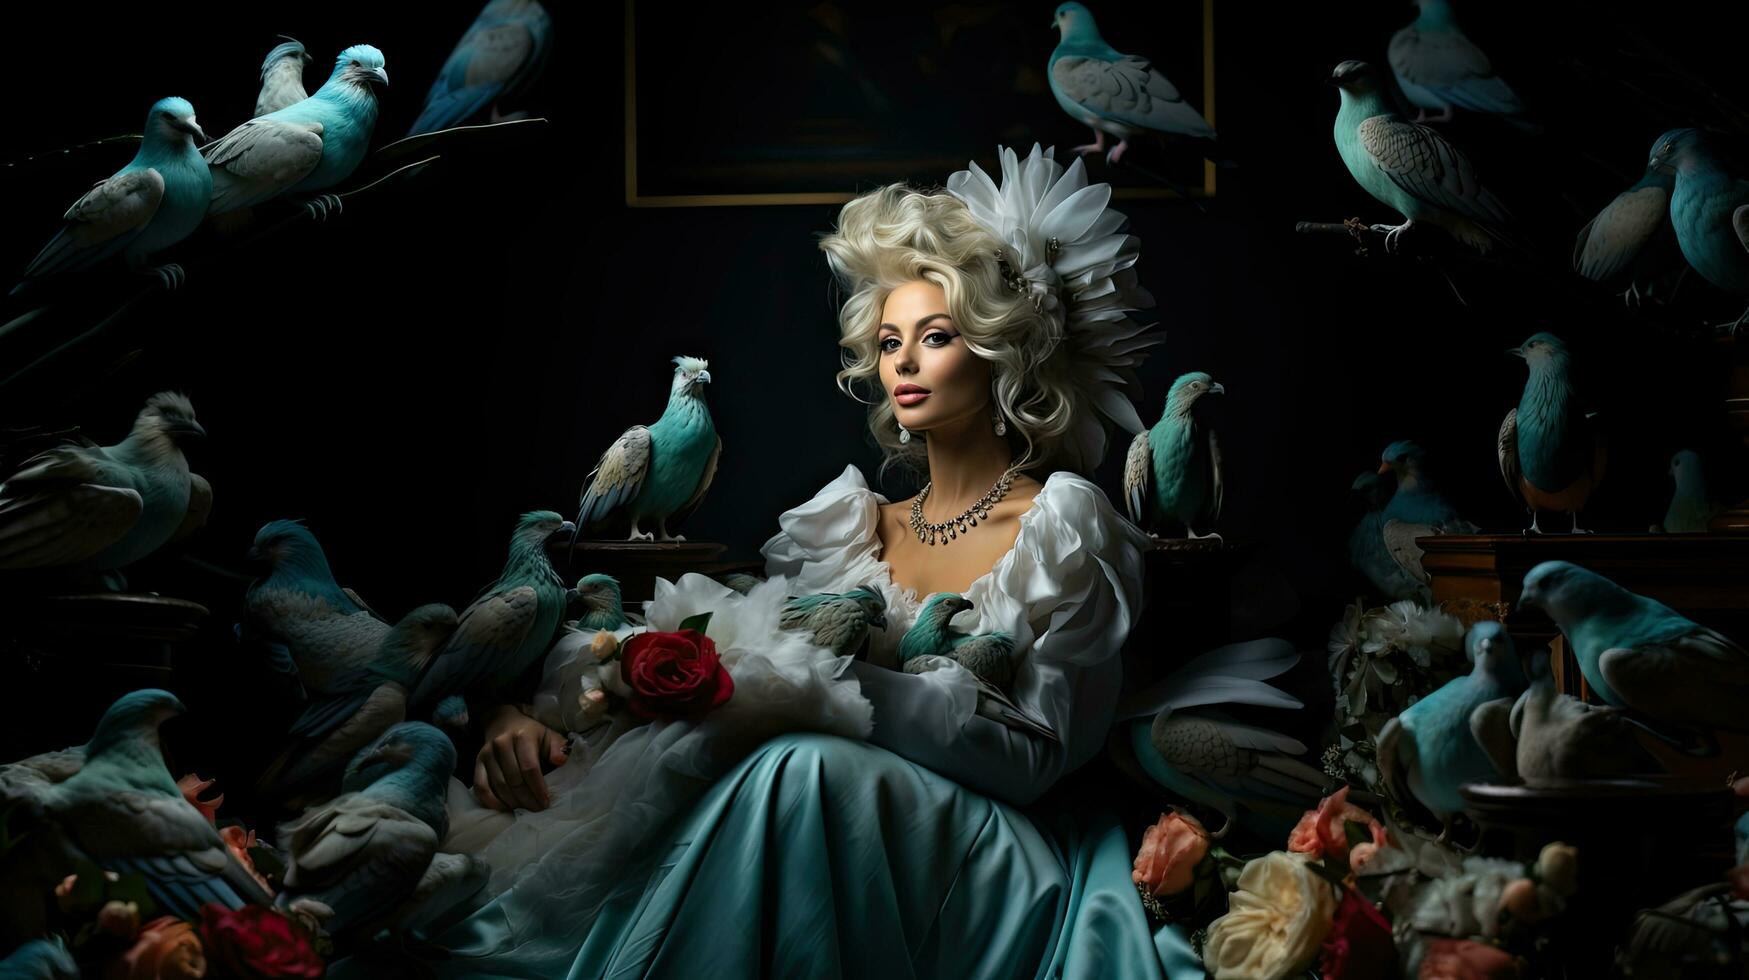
pixel 1169 694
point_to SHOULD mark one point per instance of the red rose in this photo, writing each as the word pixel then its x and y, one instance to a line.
pixel 1359 946
pixel 674 675
pixel 256 941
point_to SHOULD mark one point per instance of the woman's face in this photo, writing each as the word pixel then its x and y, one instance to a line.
pixel 930 376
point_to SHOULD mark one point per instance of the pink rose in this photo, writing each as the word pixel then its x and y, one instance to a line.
pixel 192 786
pixel 1171 849
pixel 1325 829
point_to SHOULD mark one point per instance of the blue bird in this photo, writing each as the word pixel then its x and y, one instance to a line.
pixel 658 472
pixel 123 812
pixel 40 959
pixel 837 621
pixel 1638 653
pixel 307 146
pixel 599 596
pixel 510 626
pixel 932 643
pixel 1112 92
pixel 1551 456
pixel 357 858
pixel 1439 67
pixel 1173 471
pixel 1692 507
pixel 282 77
pixel 1418 499
pixel 1409 167
pixel 1426 753
pixel 1710 210
pixel 1631 244
pixel 155 201
pixel 1368 550
pixel 503 51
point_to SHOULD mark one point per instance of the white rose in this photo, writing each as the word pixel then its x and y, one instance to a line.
pixel 1275 923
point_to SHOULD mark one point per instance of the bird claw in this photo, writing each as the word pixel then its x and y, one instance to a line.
pixel 1087 148
pixel 645 536
pixel 1392 234
pixel 171 276
pixel 1116 152
pixel 321 206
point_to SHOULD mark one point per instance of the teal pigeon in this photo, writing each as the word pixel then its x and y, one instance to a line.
pixel 1368 550
pixel 658 472
pixel 1111 92
pixel 839 621
pixel 1409 167
pixel 932 644
pixel 1416 509
pixel 354 860
pixel 1439 67
pixel 508 628
pixel 1551 455
pixel 83 508
pixel 1631 244
pixel 1184 741
pixel 502 52
pixel 1639 653
pixel 1545 738
pixel 123 812
pixel 308 146
pixel 155 201
pixel 40 959
pixel 1417 499
pixel 1709 208
pixel 599 598
pixel 1173 471
pixel 1692 507
pixel 282 77
pixel 1426 753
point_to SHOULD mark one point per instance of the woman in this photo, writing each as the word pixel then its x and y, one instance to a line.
pixel 992 321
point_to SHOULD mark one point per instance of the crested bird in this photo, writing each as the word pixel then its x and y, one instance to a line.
pixel 1692 506
pixel 1439 67
pixel 123 812
pixel 1111 92
pixel 931 643
pixel 155 201
pixel 1551 454
pixel 305 147
pixel 1173 470
pixel 1409 167
pixel 1638 653
pixel 1543 737
pixel 1709 207
pixel 837 621
pixel 658 472
pixel 1426 753
pixel 1631 244
pixel 599 597
pixel 83 508
pixel 1184 741
pixel 354 860
pixel 503 51
pixel 509 627
pixel 282 77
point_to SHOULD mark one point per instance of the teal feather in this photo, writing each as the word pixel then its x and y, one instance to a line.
pixel 602 605
pixel 1555 445
pixel 1706 208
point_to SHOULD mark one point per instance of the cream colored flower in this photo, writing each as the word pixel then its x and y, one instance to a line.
pixel 1275 923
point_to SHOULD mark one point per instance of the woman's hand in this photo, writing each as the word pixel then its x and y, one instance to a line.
pixel 508 770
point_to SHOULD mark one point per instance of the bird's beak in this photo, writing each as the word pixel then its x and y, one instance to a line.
pixel 1515 352
pixel 704 377
pixel 382 76
pixel 879 622
pixel 189 428
pixel 1528 597
pixel 1384 468
pixel 567 529
pixel 1217 389
pixel 193 129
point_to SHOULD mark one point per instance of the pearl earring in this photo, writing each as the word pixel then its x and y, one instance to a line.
pixel 1001 424
pixel 904 435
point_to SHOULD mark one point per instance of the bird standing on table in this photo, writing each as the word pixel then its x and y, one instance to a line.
pixel 1709 208
pixel 1111 92
pixel 837 621
pixel 1631 241
pixel 89 508
pixel 1639 653
pixel 1692 507
pixel 307 146
pixel 931 643
pixel 282 77
pixel 502 52
pixel 658 472
pixel 155 201
pixel 1551 456
pixel 1410 167
pixel 1173 470
pixel 1429 751
pixel 1438 67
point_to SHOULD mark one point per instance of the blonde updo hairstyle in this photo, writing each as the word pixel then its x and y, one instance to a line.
pixel 895 235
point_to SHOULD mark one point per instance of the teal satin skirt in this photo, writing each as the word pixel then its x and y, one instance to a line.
pixel 819 856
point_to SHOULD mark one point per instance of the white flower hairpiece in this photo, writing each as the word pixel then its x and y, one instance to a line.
pixel 1072 255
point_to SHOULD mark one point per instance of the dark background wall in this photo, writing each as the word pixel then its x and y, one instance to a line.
pixel 411 376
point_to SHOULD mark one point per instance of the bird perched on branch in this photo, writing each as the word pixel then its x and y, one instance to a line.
pixel 1112 92
pixel 503 51
pixel 658 472
pixel 1439 67
pixel 1173 471
pixel 1709 208
pixel 155 201
pixel 1410 167
pixel 1631 243
pixel 1638 653
pixel 305 147
pixel 932 643
pixel 282 77
pixel 837 621
pixel 85 508
pixel 1551 456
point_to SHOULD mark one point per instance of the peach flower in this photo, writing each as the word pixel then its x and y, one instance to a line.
pixel 1325 829
pixel 238 841
pixel 192 786
pixel 1276 921
pixel 167 949
pixel 605 646
pixel 64 893
pixel 1558 866
pixel 1171 849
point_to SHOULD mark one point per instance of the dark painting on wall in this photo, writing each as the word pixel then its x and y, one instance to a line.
pixel 804 103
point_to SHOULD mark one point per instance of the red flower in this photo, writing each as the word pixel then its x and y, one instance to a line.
pixel 674 675
pixel 1325 830
pixel 1359 946
pixel 192 786
pixel 257 942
